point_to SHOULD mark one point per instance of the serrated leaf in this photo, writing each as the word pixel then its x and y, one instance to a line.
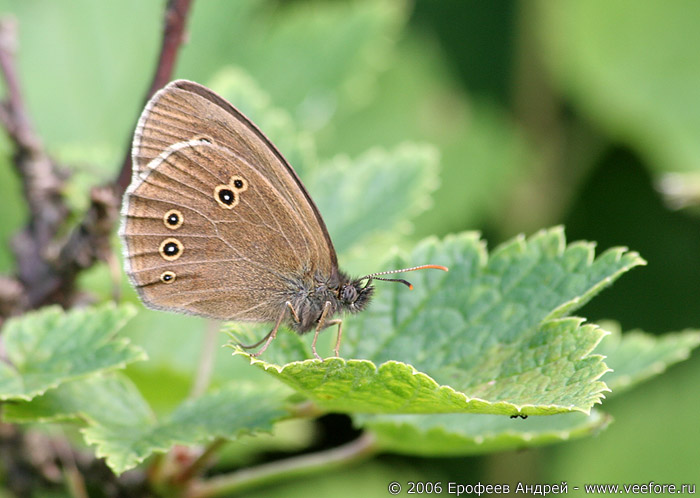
pixel 458 435
pixel 236 409
pixel 487 337
pixel 109 398
pixel 635 355
pixel 123 428
pixel 48 347
pixel 108 402
pixel 359 386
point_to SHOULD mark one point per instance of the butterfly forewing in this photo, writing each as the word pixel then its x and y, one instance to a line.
pixel 185 110
pixel 215 222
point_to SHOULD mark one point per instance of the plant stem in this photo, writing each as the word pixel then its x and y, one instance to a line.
pixel 200 464
pixel 75 481
pixel 206 360
pixel 342 456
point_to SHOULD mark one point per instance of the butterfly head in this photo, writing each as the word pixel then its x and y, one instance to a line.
pixel 355 295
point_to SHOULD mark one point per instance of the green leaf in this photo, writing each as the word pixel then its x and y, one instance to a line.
pixel 109 398
pixel 350 192
pixel 48 347
pixel 125 431
pixel 635 73
pixel 490 336
pixel 458 435
pixel 636 356
pixel 107 403
pixel 235 410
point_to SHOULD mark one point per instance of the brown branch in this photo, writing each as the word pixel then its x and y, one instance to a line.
pixel 173 36
pixel 47 268
pixel 14 116
pixel 42 181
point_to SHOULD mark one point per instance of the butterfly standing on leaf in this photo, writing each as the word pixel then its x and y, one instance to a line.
pixel 216 223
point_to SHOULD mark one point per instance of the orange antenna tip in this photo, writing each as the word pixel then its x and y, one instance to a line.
pixel 436 267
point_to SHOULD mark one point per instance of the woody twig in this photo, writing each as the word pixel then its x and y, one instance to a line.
pixel 47 267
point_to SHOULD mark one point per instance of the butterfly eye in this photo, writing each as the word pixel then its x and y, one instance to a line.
pixel 349 294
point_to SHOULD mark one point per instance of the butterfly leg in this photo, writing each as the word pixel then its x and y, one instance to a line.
pixel 322 324
pixel 273 333
pixel 313 345
pixel 338 322
pixel 293 312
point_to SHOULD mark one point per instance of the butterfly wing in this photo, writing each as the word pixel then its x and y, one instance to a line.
pixel 215 221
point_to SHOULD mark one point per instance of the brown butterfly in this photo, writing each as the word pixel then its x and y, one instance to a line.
pixel 216 223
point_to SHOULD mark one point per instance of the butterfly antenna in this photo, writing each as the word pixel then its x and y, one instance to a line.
pixel 374 276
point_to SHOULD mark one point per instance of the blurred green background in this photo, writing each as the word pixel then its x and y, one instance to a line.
pixel 579 113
